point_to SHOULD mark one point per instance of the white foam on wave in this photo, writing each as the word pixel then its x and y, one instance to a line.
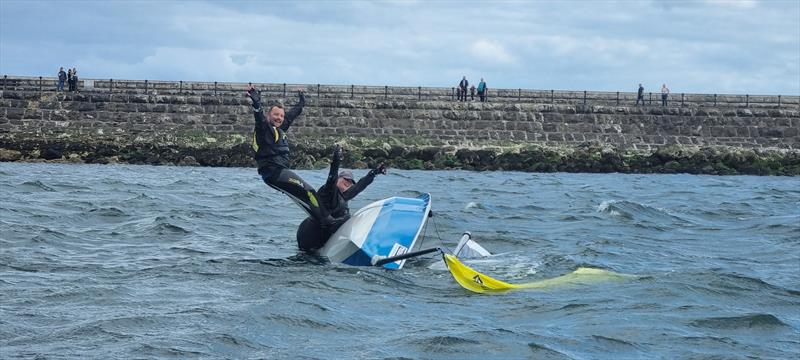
pixel 603 207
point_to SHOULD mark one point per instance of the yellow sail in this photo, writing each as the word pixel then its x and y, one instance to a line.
pixel 480 283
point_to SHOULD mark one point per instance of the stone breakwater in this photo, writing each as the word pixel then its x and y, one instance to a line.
pixel 213 129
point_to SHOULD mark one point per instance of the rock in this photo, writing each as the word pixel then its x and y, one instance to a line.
pixel 188 161
pixel 10 155
pixel 51 153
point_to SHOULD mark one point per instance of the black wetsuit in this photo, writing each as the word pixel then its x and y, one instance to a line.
pixel 333 198
pixel 311 236
pixel 272 155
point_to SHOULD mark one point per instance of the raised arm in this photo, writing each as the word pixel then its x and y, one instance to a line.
pixel 294 112
pixel 261 124
pixel 333 174
pixel 363 182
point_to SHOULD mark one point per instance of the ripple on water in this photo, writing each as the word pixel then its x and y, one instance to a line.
pixel 751 321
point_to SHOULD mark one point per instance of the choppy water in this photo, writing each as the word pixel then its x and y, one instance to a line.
pixel 176 262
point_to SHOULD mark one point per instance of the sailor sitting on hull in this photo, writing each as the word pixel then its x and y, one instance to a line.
pixel 334 195
pixel 272 155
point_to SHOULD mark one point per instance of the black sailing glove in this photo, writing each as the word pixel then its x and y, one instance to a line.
pixel 380 169
pixel 255 96
pixel 337 153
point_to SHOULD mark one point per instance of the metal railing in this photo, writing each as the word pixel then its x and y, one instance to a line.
pixel 397 93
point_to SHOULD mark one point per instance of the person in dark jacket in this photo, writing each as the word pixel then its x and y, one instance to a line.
pixel 339 188
pixel 62 78
pixel 463 87
pixel 272 155
pixel 69 80
pixel 640 95
pixel 74 79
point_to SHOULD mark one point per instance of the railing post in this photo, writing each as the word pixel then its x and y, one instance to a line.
pixel 111 85
pixel 419 92
pixel 284 89
pixel 352 91
pixel 519 94
pixel 215 88
pixel 318 94
pixel 617 98
pixel 386 92
pixel 145 87
pixel 180 89
pixel 584 97
pixel 681 99
pixel 40 85
pixel 452 94
pixel 650 100
pixel 5 80
pixel 779 98
pixel 747 100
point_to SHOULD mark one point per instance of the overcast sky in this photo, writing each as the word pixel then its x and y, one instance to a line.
pixel 701 46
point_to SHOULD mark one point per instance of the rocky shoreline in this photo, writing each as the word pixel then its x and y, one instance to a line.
pixel 362 153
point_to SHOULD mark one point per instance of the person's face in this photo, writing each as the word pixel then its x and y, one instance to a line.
pixel 275 116
pixel 343 184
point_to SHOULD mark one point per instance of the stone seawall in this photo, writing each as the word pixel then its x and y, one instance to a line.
pixel 135 124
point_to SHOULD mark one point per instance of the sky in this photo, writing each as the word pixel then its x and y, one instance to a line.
pixel 702 46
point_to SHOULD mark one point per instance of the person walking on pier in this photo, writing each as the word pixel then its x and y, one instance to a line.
pixel 640 95
pixel 271 152
pixel 62 77
pixel 664 94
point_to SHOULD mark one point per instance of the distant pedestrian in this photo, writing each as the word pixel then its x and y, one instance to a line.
pixel 482 90
pixel 640 95
pixel 463 85
pixel 664 94
pixel 472 93
pixel 69 80
pixel 74 79
pixel 62 77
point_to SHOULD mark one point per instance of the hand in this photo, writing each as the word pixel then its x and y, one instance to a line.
pixel 255 96
pixel 337 152
pixel 380 169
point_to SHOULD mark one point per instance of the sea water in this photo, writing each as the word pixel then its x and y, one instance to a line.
pixel 116 261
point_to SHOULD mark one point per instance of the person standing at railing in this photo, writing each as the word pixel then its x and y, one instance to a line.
pixel 482 90
pixel 74 79
pixel 640 95
pixel 62 77
pixel 69 80
pixel 472 93
pixel 463 89
pixel 664 94
pixel 271 152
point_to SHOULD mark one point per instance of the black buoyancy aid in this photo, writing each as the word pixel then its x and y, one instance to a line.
pixel 270 145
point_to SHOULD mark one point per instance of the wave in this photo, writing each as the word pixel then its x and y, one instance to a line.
pixel 648 216
pixel 36 185
pixel 758 321
pixel 108 212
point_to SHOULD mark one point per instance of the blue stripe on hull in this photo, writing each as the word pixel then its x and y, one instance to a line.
pixel 399 222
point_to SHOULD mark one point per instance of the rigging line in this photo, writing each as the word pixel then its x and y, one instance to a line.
pixel 436 227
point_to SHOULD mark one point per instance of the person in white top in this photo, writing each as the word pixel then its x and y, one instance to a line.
pixel 664 94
